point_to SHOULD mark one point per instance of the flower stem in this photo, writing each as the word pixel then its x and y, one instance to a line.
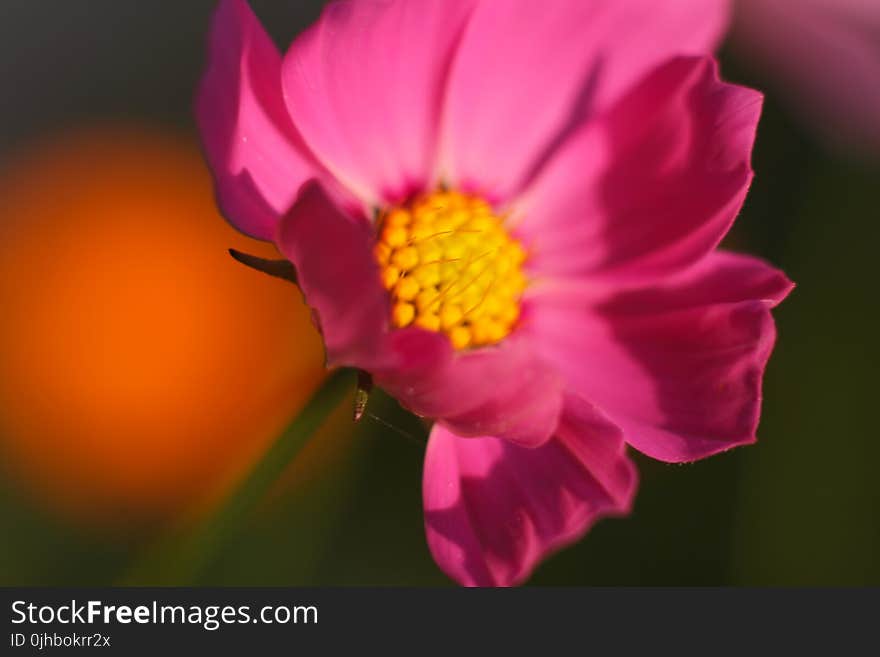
pixel 184 559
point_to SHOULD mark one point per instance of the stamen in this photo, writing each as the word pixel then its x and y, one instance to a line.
pixel 450 265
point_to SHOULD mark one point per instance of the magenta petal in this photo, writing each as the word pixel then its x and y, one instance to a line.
pixel 525 70
pixel 677 365
pixel 338 277
pixel 652 186
pixel 365 86
pixel 493 510
pixel 257 158
pixel 504 391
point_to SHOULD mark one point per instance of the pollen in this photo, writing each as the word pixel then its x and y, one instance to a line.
pixel 450 265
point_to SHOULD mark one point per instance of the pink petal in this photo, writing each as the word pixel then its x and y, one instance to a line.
pixel 826 61
pixel 494 510
pixel 338 277
pixel 650 187
pixel 256 156
pixel 504 391
pixel 677 365
pixel 525 70
pixel 365 86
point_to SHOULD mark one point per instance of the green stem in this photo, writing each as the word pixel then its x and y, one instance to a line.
pixel 184 559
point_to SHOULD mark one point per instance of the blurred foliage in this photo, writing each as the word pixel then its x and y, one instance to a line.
pixel 798 508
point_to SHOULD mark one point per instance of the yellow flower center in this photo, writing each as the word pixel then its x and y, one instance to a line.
pixel 450 266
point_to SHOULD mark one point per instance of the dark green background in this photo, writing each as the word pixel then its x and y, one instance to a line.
pixel 799 508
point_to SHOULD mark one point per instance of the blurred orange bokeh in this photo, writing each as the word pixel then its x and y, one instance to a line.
pixel 142 370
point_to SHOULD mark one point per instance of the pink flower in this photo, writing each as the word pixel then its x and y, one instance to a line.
pixel 825 55
pixel 509 216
